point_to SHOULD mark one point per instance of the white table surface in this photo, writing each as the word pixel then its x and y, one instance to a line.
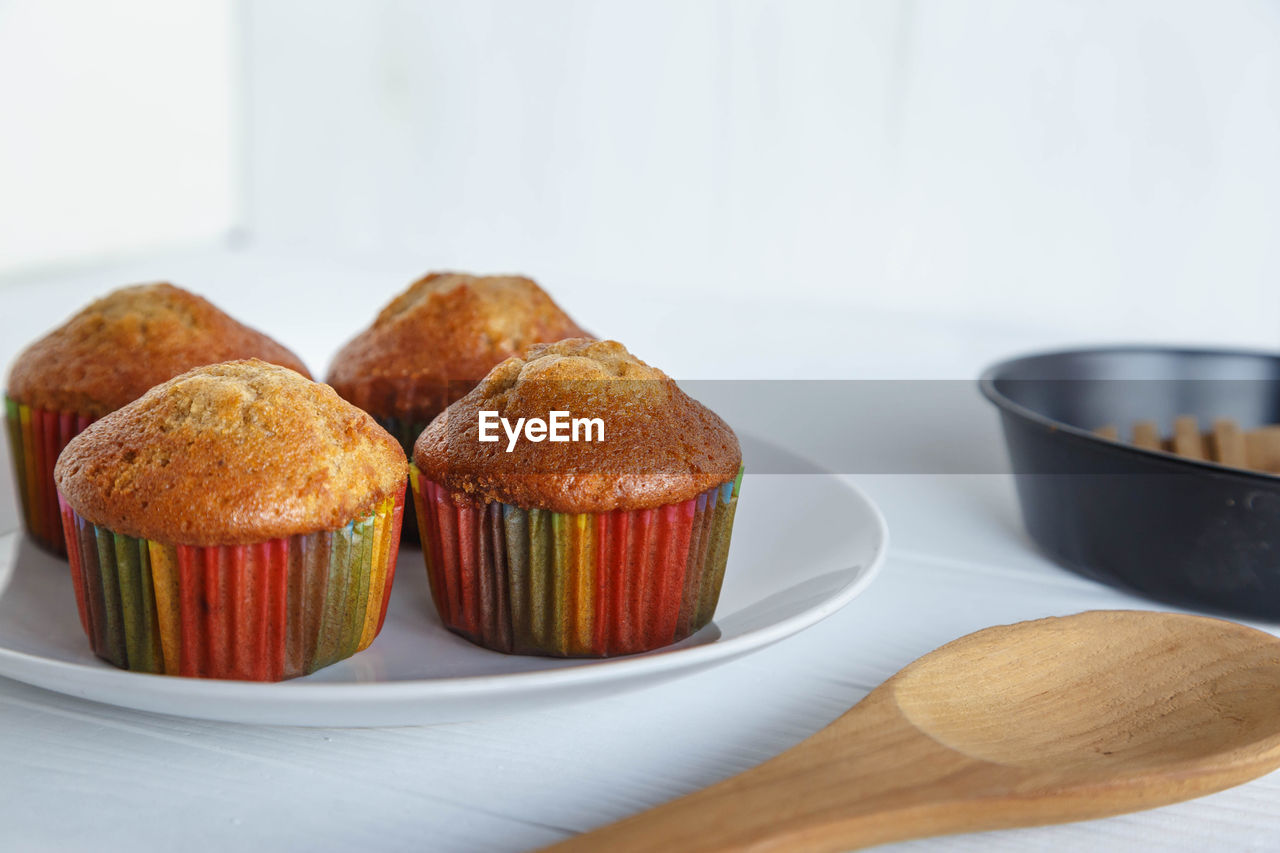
pixel 75 775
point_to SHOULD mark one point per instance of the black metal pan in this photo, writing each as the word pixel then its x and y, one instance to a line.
pixel 1194 533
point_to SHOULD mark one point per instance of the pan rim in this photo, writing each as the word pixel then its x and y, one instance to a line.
pixel 992 374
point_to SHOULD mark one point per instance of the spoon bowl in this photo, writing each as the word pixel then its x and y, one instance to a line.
pixel 1117 707
pixel 1048 721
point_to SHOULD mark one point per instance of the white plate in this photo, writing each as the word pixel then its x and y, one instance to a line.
pixel 803 547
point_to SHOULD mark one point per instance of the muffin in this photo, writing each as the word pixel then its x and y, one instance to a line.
pixel 610 544
pixel 105 356
pixel 238 521
pixel 435 341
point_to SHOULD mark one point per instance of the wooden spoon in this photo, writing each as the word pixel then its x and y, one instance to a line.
pixel 1040 722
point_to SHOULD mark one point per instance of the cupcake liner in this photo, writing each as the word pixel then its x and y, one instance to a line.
pixel 406 432
pixel 262 612
pixel 531 581
pixel 36 437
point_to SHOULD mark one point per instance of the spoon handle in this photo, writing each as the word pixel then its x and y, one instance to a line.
pixel 867 779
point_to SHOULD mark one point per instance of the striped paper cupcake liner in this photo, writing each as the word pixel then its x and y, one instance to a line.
pixel 531 581
pixel 406 432
pixel 261 612
pixel 36 437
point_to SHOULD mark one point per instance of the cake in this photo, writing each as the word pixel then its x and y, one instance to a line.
pixel 613 543
pixel 106 356
pixel 436 340
pixel 237 521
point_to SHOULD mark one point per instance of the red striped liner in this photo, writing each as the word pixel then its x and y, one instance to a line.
pixel 36 437
pixel 262 612
pixel 530 581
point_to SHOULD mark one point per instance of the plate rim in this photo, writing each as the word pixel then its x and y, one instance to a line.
pixel 58 676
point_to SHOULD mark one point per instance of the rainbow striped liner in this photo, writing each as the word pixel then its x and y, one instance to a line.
pixel 36 437
pixel 406 432
pixel 531 581
pixel 261 612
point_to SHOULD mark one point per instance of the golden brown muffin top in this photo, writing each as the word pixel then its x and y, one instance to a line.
pixel 436 340
pixel 120 345
pixel 229 454
pixel 660 446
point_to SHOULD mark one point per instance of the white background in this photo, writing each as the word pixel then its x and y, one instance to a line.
pixel 117 129
pixel 1109 165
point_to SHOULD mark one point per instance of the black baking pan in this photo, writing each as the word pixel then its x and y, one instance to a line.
pixel 1193 533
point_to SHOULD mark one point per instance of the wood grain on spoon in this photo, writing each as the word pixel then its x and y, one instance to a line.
pixel 1049 721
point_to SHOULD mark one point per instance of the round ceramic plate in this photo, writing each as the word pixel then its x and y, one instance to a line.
pixel 803 546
